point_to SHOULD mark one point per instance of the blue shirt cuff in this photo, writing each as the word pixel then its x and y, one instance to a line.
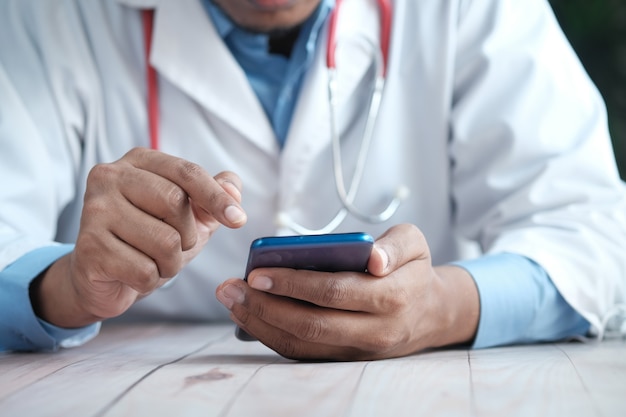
pixel 519 303
pixel 20 328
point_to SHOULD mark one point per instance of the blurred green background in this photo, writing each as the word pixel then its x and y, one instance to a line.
pixel 597 31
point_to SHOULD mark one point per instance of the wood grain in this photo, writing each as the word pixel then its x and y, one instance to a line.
pixel 428 384
pixel 527 381
pixel 84 387
pixel 203 370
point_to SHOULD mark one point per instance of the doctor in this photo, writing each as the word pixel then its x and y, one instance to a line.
pixel 487 117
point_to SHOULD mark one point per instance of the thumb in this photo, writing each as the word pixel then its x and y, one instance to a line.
pixel 398 246
pixel 378 264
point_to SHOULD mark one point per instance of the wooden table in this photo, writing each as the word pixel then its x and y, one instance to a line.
pixel 202 370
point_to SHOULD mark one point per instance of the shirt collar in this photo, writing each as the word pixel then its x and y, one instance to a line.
pixel 225 26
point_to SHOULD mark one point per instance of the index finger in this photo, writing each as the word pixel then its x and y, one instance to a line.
pixel 350 291
pixel 201 187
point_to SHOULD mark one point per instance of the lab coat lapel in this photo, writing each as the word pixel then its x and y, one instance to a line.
pixel 358 41
pixel 188 51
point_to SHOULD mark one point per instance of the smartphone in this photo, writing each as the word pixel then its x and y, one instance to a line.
pixel 332 252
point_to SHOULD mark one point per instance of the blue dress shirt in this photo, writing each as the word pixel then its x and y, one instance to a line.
pixel 20 329
pixel 518 301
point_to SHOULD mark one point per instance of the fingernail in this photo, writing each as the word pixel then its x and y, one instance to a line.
pixel 262 283
pixel 235 215
pixel 385 258
pixel 230 295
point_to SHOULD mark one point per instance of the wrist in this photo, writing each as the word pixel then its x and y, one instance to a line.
pixel 54 299
pixel 458 306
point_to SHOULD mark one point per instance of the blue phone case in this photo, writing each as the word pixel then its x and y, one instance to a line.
pixel 332 252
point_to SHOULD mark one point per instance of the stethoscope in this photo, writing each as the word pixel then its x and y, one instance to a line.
pixel 346 196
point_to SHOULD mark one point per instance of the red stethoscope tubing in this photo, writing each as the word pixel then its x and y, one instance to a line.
pixel 385 13
pixel 152 84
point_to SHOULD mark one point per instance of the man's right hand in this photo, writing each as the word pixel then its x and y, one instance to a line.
pixel 144 218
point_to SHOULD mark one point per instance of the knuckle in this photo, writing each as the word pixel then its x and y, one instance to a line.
pixel 177 199
pixel 413 230
pixel 171 243
pixel 396 241
pixel 218 198
pixel 95 208
pixel 167 251
pixel 136 153
pixel 226 175
pixel 101 172
pixel 170 265
pixel 311 329
pixel 288 288
pixel 287 347
pixel 416 235
pixel 384 341
pixel 145 271
pixel 335 292
pixel 231 177
pixel 256 309
pixel 189 171
pixel 394 301
pixel 244 316
pixel 146 277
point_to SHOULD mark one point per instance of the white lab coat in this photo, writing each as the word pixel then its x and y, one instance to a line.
pixel 488 118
